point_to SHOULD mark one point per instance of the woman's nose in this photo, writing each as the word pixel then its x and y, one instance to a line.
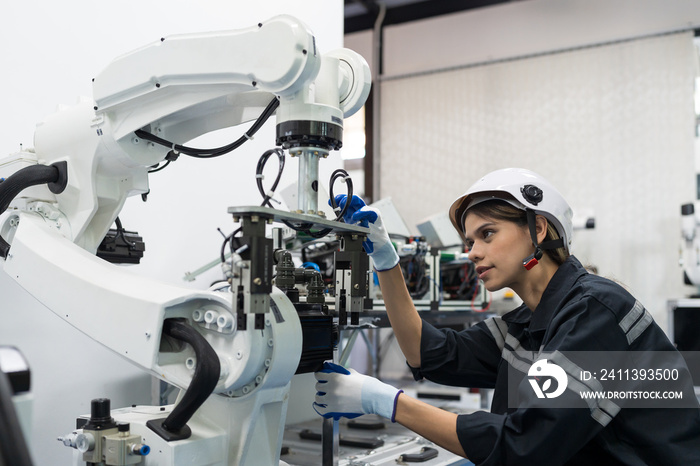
pixel 475 253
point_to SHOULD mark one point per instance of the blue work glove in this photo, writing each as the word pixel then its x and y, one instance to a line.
pixel 377 245
pixel 347 393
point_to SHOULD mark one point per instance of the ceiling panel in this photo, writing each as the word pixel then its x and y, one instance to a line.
pixel 361 14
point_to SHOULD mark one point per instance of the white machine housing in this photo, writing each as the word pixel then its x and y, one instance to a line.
pixel 177 88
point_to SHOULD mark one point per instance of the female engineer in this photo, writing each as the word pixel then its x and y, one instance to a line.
pixel 518 229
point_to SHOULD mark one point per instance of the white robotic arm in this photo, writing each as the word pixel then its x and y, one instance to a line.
pixel 175 90
pixel 182 87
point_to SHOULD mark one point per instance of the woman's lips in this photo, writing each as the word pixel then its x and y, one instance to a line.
pixel 482 270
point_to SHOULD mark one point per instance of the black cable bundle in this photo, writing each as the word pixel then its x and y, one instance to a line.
pixel 259 174
pixel 337 174
pixel 415 275
pixel 209 153
pixel 340 173
pixel 204 380
pixel 54 175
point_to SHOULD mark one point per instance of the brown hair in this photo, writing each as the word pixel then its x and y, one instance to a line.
pixel 502 210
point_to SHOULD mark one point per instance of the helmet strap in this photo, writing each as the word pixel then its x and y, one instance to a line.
pixel 534 258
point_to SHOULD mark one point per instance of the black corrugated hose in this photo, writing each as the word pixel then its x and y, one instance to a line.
pixel 204 380
pixel 54 175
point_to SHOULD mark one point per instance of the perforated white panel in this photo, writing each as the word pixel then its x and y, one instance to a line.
pixel 611 126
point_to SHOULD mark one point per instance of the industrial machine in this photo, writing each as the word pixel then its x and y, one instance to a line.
pixel 232 351
pixel 690 245
pixel 684 314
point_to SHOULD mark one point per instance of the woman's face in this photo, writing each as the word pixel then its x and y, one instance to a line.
pixel 497 248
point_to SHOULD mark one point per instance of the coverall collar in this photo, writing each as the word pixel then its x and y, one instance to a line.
pixel 554 294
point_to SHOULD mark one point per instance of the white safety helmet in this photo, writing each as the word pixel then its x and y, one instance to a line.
pixel 523 189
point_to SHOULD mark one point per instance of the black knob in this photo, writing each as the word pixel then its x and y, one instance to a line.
pixel 100 409
pixel 100 415
pixel 123 427
pixel 532 194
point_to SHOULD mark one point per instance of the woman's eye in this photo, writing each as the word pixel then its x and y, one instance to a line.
pixel 487 233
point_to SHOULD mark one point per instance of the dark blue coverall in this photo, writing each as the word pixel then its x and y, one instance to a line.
pixel 578 313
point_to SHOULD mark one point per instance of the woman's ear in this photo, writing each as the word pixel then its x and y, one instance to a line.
pixel 540 228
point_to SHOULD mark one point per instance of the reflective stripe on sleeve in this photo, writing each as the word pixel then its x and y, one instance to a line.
pixel 639 327
pixel 635 322
pixel 498 330
pixel 632 316
pixel 514 362
pixel 514 345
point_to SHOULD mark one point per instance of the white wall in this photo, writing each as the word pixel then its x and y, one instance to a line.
pixel 521 84
pixel 532 27
pixel 49 53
